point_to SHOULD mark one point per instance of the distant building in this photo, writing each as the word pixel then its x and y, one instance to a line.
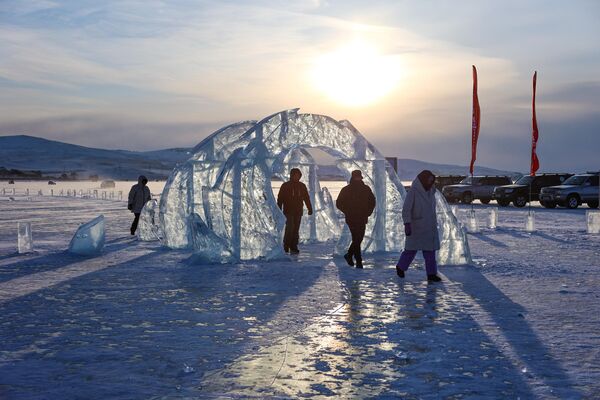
pixel 393 162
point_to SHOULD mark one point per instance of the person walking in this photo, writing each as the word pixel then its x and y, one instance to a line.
pixel 138 197
pixel 420 226
pixel 290 199
pixel 357 202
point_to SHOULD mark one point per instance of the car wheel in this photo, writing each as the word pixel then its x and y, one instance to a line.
pixel 485 201
pixel 467 198
pixel 520 201
pixel 572 202
pixel 592 204
pixel 549 204
pixel 503 203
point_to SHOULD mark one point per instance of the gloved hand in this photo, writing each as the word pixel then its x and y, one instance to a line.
pixel 407 229
pixel 130 207
pixel 310 212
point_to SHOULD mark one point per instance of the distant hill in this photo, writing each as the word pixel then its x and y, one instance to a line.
pixel 53 158
pixel 409 169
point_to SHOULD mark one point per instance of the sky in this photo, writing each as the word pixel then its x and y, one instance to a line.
pixel 145 75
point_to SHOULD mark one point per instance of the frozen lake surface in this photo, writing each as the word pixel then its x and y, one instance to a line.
pixel 141 322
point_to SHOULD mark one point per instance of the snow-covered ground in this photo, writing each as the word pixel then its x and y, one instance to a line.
pixel 142 322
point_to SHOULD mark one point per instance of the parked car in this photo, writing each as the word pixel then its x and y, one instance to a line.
pixel 107 184
pixel 51 183
pixel 477 187
pixel 518 192
pixel 442 181
pixel 578 189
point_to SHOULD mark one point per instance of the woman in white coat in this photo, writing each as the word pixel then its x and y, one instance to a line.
pixel 420 226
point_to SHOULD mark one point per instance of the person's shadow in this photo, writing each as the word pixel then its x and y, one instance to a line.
pixel 509 319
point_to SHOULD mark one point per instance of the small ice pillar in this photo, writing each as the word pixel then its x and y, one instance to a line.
pixel 24 238
pixel 493 218
pixel 148 228
pixel 89 238
pixel 472 225
pixel 530 222
pixel 593 221
pixel 379 181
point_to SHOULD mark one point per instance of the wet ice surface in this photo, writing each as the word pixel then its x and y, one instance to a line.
pixel 139 322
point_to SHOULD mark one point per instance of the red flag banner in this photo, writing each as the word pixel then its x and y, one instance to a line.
pixel 475 122
pixel 535 163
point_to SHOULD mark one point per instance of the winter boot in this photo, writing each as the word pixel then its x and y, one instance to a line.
pixel 349 260
pixel 294 251
pixel 399 272
pixel 433 278
pixel 359 263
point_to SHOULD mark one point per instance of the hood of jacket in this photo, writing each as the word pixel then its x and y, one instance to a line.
pixel 141 179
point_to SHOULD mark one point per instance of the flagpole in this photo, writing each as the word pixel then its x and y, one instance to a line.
pixel 475 125
pixel 534 138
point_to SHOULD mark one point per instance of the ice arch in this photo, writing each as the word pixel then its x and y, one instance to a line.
pixel 221 204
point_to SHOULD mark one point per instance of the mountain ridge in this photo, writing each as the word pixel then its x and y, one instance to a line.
pixel 52 157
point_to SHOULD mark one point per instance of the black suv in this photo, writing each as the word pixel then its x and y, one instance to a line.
pixel 479 187
pixel 442 181
pixel 518 193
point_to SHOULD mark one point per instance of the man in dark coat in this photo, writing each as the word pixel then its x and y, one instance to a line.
pixel 357 202
pixel 290 199
pixel 138 197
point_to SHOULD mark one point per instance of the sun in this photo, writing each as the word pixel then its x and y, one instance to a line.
pixel 356 74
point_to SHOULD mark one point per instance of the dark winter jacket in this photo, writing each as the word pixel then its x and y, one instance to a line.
pixel 138 196
pixel 291 196
pixel 357 202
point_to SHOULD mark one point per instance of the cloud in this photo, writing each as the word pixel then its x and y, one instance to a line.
pixel 78 69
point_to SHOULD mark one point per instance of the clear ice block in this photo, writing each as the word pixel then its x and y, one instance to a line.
pixel 530 222
pixel 593 221
pixel 89 238
pixel 24 238
pixel 493 218
pixel 149 227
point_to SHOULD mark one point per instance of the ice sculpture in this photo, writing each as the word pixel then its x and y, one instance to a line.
pixel 221 203
pixel 24 238
pixel 593 221
pixel 493 218
pixel 530 222
pixel 89 238
pixel 149 227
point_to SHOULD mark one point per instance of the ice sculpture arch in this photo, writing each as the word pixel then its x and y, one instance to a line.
pixel 221 204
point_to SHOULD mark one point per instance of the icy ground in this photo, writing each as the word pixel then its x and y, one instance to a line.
pixel 140 322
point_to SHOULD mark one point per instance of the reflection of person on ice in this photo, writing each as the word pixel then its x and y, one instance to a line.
pixel 290 199
pixel 357 202
pixel 420 226
pixel 138 196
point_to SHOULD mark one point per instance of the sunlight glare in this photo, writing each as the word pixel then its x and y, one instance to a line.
pixel 356 74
